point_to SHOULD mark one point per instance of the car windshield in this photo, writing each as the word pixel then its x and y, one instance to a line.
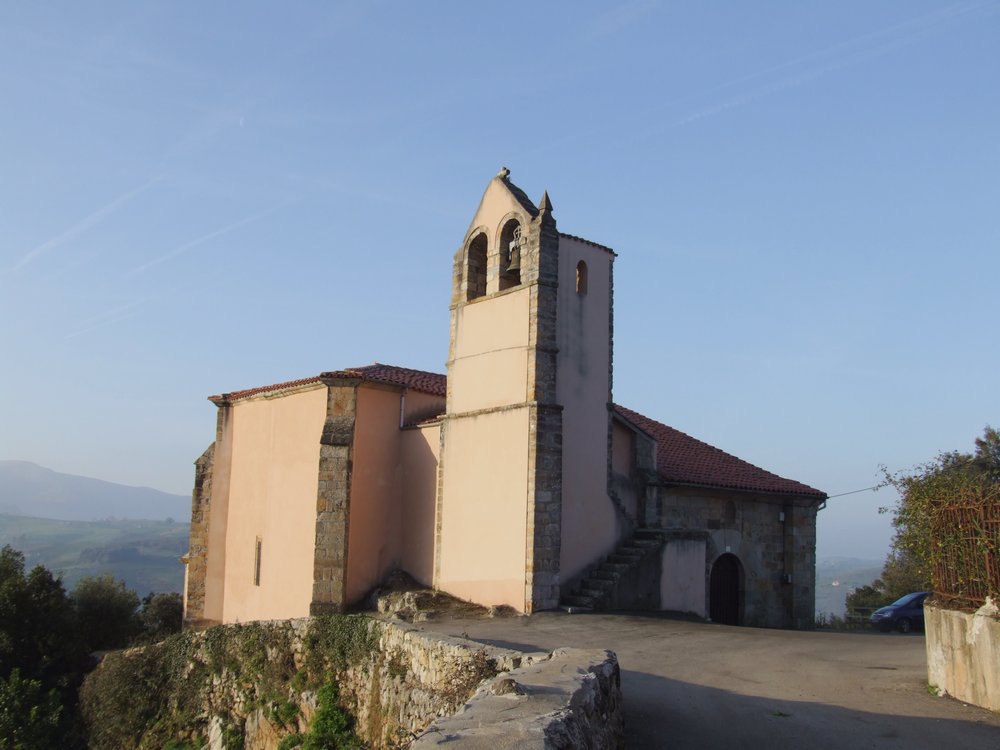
pixel 908 599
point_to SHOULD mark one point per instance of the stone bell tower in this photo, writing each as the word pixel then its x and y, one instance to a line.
pixel 524 467
pixel 500 469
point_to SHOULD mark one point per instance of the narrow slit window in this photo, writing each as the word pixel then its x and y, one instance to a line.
pixel 256 563
pixel 581 278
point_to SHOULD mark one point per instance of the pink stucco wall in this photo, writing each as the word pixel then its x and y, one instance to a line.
pixel 682 581
pixel 590 527
pixel 484 499
pixel 484 508
pixel 623 468
pixel 374 545
pixel 420 406
pixel 272 497
pixel 623 450
pixel 420 449
pixel 490 366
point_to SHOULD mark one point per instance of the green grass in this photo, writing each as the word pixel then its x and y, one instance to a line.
pixel 142 553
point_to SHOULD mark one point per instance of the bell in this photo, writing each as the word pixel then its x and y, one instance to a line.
pixel 514 258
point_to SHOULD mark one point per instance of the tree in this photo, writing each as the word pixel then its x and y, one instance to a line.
pixel 950 475
pixel 869 597
pixel 987 455
pixel 42 658
pixel 106 611
pixel 162 615
pixel 38 633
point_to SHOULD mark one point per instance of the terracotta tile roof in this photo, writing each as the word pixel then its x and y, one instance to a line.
pixel 418 380
pixel 682 459
pixel 288 384
pixel 585 241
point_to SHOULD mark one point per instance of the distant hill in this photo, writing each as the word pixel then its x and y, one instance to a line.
pixel 836 577
pixel 144 554
pixel 30 489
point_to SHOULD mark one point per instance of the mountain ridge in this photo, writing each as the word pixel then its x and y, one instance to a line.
pixel 28 489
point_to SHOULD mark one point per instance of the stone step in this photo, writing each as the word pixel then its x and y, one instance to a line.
pixel 625 558
pixel 599 584
pixel 616 568
pixel 604 574
pixel 649 535
pixel 604 578
pixel 636 552
pixel 646 543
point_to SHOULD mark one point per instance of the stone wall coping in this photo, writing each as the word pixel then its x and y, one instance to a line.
pixel 572 698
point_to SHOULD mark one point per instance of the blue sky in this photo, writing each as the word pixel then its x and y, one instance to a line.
pixel 804 198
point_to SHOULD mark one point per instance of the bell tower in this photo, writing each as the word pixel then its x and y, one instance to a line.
pixel 529 382
pixel 500 469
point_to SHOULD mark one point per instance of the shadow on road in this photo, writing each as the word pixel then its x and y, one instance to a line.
pixel 665 713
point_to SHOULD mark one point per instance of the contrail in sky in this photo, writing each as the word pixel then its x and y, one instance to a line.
pixel 84 224
pixel 108 316
pixel 906 32
pixel 200 241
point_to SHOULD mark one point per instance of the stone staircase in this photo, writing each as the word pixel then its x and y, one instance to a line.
pixel 596 590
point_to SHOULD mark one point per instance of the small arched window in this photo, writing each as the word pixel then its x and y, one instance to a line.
pixel 581 278
pixel 475 269
pixel 511 250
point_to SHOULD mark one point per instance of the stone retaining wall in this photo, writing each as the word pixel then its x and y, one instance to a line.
pixel 402 682
pixel 963 653
pixel 570 699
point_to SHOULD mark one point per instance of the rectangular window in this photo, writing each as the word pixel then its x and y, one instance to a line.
pixel 256 564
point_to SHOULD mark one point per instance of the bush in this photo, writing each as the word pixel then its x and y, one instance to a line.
pixel 332 727
pixel 29 714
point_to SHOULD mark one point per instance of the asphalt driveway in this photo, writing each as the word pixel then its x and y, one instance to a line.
pixel 691 684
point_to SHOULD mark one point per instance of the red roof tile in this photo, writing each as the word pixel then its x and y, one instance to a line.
pixel 682 459
pixel 235 395
pixel 418 380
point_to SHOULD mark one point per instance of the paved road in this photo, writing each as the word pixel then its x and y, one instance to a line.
pixel 697 685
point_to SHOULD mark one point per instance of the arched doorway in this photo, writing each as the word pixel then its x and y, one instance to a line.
pixel 724 590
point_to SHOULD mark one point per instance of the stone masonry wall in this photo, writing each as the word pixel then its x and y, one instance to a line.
pixel 197 556
pixel 545 485
pixel 570 699
pixel 778 557
pixel 405 682
pixel 333 496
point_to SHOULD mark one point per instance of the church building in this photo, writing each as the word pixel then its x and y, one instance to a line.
pixel 513 480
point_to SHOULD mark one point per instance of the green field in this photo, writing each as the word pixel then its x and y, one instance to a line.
pixel 142 553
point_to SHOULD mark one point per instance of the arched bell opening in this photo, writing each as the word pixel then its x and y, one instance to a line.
pixel 512 243
pixel 475 267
